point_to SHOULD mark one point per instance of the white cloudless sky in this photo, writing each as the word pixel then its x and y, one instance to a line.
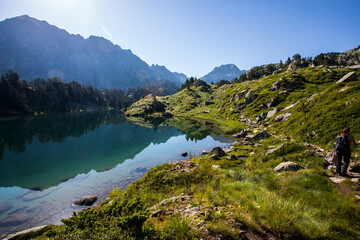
pixel 194 36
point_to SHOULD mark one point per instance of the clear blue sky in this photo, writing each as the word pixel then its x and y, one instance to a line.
pixel 194 36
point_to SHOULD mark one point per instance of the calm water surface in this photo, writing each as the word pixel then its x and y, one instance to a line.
pixel 48 162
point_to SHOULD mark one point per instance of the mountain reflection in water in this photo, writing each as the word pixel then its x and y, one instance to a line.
pixel 38 152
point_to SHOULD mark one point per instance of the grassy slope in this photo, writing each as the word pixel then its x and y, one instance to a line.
pixel 252 200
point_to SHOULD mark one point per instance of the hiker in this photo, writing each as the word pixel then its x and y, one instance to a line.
pixel 342 149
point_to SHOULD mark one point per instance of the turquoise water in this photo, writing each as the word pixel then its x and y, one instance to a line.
pixel 48 162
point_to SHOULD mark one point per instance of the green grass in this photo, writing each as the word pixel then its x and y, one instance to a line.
pixel 294 205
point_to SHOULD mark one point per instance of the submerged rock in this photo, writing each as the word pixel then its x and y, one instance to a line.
pixel 287 166
pixel 14 220
pixel 5 206
pixel 86 201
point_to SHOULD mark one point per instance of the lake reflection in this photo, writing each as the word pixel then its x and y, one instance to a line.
pixel 63 157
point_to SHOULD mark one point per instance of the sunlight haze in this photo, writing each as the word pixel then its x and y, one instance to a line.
pixel 193 37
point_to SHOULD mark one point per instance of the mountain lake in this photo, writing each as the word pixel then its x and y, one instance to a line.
pixel 49 161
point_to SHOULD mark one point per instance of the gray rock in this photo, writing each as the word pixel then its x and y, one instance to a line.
pixel 275 86
pixel 5 206
pixel 282 117
pixel 14 220
pixel 312 97
pixel 336 179
pixel 261 117
pixel 261 135
pixel 231 157
pixel 240 134
pixel 249 97
pixel 204 152
pixel 272 113
pixel 156 213
pixel 354 167
pixel 277 71
pixel 271 151
pixel 86 201
pixel 354 67
pixel 272 103
pixel 287 166
pixel 218 151
pixel 330 157
pixel 312 64
pixel 351 76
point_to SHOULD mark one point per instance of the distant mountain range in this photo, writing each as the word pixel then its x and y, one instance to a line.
pixel 36 49
pixel 223 72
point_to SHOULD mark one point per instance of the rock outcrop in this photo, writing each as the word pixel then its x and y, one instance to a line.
pixel 86 201
pixel 287 166
pixel 351 76
pixel 218 152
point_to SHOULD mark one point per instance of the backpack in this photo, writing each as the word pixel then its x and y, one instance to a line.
pixel 341 143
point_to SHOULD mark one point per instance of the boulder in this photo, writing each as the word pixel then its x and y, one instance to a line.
pixel 261 117
pixel 355 167
pixel 14 220
pixel 204 152
pixel 271 151
pixel 273 102
pixel 272 113
pixel 240 134
pixel 275 86
pixel 351 76
pixel 249 97
pixel 231 157
pixel 282 117
pixel 336 179
pixel 5 206
pixel 218 151
pixel 86 201
pixel 287 166
pixel 330 157
pixel 261 135
pixel 214 156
